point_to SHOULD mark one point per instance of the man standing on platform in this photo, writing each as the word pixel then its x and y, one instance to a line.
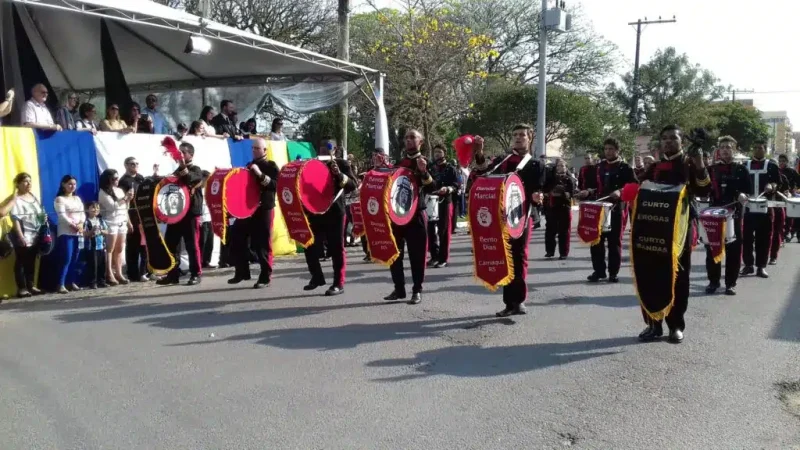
pixel 765 178
pixel 188 228
pixel 415 233
pixel 329 227
pixel 441 230
pixel 730 184
pixel 258 227
pixel 612 174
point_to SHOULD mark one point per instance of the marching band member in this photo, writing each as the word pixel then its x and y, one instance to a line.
pixel 790 180
pixel 587 176
pixel 765 179
pixel 560 189
pixel 415 233
pixel 638 167
pixel 533 177
pixel 330 226
pixel 440 231
pixel 675 169
pixel 257 229
pixel 612 174
pixel 730 184
pixel 188 229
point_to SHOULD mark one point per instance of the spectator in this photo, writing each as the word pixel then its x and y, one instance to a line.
pixel 27 216
pixel 207 117
pixel 86 121
pixel 112 122
pixel 137 122
pixel 70 229
pixel 36 114
pixel 160 125
pixel 276 133
pixel 182 130
pixel 249 128
pixel 224 122
pixel 135 256
pixel 114 209
pixel 5 107
pixel 94 250
pixel 196 128
pixel 67 115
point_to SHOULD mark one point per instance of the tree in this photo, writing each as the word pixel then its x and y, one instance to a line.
pixel 580 121
pixel 672 91
pixel 431 63
pixel 742 122
pixel 323 124
pixel 578 59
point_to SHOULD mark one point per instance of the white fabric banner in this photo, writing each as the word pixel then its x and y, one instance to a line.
pixel 209 154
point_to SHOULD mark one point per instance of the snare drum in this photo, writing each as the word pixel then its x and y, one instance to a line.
pixel 793 207
pixel 605 206
pixel 432 207
pixel 757 205
pixel 717 214
pixel 702 203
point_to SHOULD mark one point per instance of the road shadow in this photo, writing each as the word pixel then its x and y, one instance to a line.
pixel 614 301
pixel 788 327
pixel 473 361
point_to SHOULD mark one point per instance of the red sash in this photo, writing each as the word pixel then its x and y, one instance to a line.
pixel 491 249
pixel 358 219
pixel 715 228
pixel 374 200
pixel 592 216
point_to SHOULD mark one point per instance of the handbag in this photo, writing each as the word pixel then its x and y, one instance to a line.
pixel 44 239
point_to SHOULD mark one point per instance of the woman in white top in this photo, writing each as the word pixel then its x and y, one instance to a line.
pixel 206 115
pixel 114 210
pixel 27 215
pixel 71 218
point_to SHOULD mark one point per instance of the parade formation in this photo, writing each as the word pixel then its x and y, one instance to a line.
pixel 739 212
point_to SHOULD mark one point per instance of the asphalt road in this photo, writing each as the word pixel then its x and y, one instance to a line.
pixel 211 367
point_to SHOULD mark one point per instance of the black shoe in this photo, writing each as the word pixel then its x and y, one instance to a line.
pixel 651 333
pixel 747 271
pixel 440 265
pixel 394 296
pixel 520 310
pixel 712 288
pixel 209 266
pixel 773 261
pixel 261 284
pixel 313 285
pixel 761 273
pixel 676 336
pixel 193 281
pixel 613 279
pixel 416 299
pixel 237 280
pixel 367 259
pixel 167 281
pixel 595 277
pixel 93 286
pixel 730 291
pixel 562 257
pixel 430 263
pixel 549 255
pixel 334 290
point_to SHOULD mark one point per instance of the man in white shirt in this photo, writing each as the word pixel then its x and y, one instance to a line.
pixel 36 114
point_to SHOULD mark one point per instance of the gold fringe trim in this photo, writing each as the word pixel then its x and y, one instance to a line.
pixel 718 258
pixel 163 242
pixel 297 193
pixel 386 191
pixel 506 247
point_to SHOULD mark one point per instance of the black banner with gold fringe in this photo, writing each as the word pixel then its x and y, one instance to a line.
pixel 159 259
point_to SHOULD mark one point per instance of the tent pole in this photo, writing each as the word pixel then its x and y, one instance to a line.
pixel 344 55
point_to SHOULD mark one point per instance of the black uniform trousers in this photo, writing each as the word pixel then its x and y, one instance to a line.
pixel 558 225
pixel 365 246
pixel 675 318
pixel 516 292
pixel 328 232
pixel 252 235
pixel 614 239
pixel 206 242
pixel 758 234
pixel 95 267
pixel 135 255
pixel 188 230
pixel 733 260
pixel 440 232
pixel 778 224
pixel 415 234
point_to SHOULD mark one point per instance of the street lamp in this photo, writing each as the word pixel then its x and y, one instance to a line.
pixel 558 20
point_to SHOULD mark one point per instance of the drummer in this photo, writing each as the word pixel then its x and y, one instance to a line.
pixel 764 179
pixel 415 233
pixel 330 227
pixel 792 183
pixel 441 230
pixel 730 184
pixel 676 168
pixel 560 189
pixel 532 174
pixel 612 174
pixel 188 228
pixel 256 229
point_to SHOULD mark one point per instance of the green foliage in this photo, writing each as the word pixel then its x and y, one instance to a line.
pixel 742 122
pixel 324 124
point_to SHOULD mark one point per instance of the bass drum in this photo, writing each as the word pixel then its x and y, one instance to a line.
pixel 403 195
pixel 171 200
pixel 511 203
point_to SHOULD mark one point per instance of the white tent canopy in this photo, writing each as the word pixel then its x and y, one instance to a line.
pixel 149 40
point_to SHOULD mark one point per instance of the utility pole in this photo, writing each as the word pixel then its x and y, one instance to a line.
pixel 634 116
pixel 740 91
pixel 344 55
pixel 558 21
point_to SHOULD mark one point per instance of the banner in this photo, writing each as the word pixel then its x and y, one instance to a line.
pixel 358 219
pixel 592 217
pixel 215 199
pixel 715 230
pixel 491 250
pixel 291 204
pixel 374 199
pixel 159 259
pixel 659 232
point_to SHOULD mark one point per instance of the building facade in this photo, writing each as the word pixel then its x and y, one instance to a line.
pixel 781 139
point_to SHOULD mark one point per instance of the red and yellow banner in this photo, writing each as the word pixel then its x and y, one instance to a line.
pixel 358 219
pixel 491 249
pixel 374 202
pixel 714 227
pixel 289 197
pixel 215 199
pixel 592 216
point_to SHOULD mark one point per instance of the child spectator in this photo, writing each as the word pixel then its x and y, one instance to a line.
pixel 94 246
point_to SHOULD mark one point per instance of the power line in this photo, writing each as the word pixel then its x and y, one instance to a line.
pixel 634 116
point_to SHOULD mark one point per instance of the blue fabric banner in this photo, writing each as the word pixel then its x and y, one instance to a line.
pixel 241 152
